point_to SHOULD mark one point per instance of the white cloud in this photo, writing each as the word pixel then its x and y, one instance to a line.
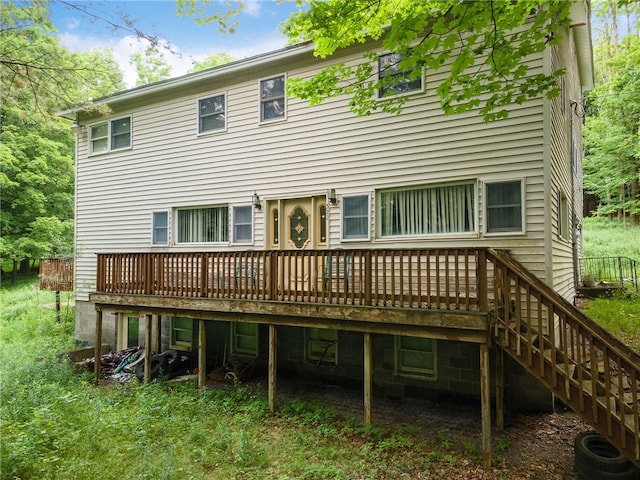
pixel 252 7
pixel 180 61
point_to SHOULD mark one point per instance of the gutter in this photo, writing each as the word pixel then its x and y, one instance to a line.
pixel 194 78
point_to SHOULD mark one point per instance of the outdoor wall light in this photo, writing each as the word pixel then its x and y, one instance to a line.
pixel 77 128
pixel 255 201
pixel 331 196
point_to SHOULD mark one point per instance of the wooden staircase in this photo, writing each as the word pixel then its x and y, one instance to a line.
pixel 578 361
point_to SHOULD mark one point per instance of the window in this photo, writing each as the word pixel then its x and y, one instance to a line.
pixel 244 339
pixel 321 346
pixel 242 224
pixel 355 217
pixel 272 99
pixel 428 210
pixel 504 207
pixel 212 114
pixel 322 217
pixel 203 225
pixel 393 80
pixel 181 333
pixel 415 357
pixel 563 215
pixel 160 228
pixel 108 136
pixel 275 225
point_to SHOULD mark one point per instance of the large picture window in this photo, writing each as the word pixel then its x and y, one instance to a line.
pixel 504 207
pixel 211 114
pixel 428 210
pixel 203 225
pixel 393 80
pixel 112 135
pixel 272 99
pixel 355 217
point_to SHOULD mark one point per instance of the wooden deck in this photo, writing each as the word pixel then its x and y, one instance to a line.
pixel 472 295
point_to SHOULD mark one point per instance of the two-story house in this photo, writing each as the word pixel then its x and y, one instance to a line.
pixel 218 216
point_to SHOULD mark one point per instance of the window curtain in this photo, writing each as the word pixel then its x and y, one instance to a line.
pixel 421 211
pixel 203 225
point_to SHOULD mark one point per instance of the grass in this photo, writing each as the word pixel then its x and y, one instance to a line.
pixel 57 425
pixel 619 315
pixel 609 238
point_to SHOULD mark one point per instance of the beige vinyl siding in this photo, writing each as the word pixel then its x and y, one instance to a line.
pixel 170 165
pixel 562 261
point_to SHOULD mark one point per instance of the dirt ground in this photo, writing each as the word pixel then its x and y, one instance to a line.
pixel 533 446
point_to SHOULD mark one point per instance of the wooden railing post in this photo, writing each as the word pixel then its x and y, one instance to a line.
pixel 481 267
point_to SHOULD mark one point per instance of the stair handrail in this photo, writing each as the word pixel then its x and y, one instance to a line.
pixel 612 343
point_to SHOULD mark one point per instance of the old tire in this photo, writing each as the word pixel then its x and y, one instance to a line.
pixel 158 367
pixel 172 358
pixel 595 457
pixel 631 473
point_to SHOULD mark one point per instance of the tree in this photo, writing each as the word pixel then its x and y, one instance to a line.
pixel 480 45
pixel 150 66
pixel 38 77
pixel 612 138
pixel 213 60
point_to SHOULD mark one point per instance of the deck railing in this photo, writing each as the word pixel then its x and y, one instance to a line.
pixel 417 278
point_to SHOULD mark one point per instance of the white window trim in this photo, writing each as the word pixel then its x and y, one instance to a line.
pixel 261 121
pixel 419 91
pixel 168 228
pixel 174 225
pixel 523 210
pixel 391 238
pixel 341 202
pixel 226 114
pixel 309 358
pixel 232 237
pixel 109 149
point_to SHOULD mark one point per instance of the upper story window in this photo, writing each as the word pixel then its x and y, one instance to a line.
pixel 428 210
pixel 355 217
pixel 202 225
pixel 393 79
pixel 212 114
pixel 504 207
pixel 112 135
pixel 242 224
pixel 272 99
pixel 160 228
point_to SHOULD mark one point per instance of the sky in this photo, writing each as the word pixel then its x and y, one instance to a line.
pixel 256 33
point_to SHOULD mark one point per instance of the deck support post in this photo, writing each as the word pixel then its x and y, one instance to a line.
pixel 156 342
pixel 98 347
pixel 147 348
pixel 273 357
pixel 500 377
pixel 368 377
pixel 485 398
pixel 202 354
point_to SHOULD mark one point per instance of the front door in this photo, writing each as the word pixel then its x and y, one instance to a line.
pixel 299 224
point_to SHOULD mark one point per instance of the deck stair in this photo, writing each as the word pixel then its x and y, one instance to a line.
pixel 579 362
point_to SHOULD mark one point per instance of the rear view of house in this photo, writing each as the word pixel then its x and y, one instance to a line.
pixel 218 216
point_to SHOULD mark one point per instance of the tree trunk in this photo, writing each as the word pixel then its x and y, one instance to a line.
pixel 14 273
